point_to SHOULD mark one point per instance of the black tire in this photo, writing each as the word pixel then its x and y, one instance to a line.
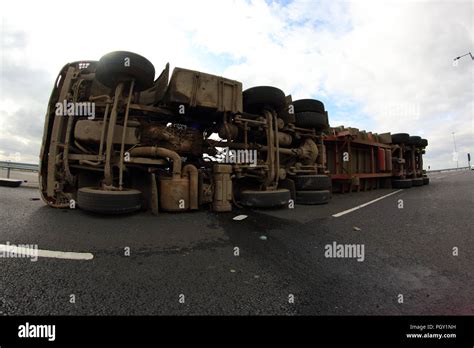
pixel 414 140
pixel 255 99
pixel 286 116
pixel 311 119
pixel 418 182
pixel 288 184
pixel 312 182
pixel 265 199
pixel 112 69
pixel 402 184
pixel 424 142
pixel 426 180
pixel 400 138
pixel 109 202
pixel 313 105
pixel 313 197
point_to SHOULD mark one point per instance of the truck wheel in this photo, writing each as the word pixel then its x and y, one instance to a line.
pixel 426 180
pixel 312 182
pixel 288 184
pixel 313 197
pixel 310 119
pixel 265 199
pixel 256 98
pixel 96 200
pixel 401 184
pixel 414 140
pixel 400 138
pixel 418 182
pixel 122 66
pixel 286 116
pixel 313 105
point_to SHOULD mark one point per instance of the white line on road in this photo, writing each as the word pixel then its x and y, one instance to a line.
pixel 46 253
pixel 364 205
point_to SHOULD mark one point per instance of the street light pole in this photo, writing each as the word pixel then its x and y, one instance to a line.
pixel 455 151
pixel 455 63
pixel 467 54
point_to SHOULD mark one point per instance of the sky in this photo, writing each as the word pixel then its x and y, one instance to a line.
pixel 380 66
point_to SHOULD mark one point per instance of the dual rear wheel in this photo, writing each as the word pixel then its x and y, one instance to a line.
pixel 407 183
pixel 313 189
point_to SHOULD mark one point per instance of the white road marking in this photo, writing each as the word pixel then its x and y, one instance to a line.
pixel 46 253
pixel 364 205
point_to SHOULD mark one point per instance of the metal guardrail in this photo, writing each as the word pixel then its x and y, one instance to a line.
pixel 447 170
pixel 24 167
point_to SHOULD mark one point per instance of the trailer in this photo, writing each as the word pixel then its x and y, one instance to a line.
pixel 358 160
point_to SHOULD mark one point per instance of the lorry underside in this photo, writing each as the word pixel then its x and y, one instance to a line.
pixel 116 140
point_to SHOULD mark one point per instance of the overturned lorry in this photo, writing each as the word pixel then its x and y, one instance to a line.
pixel 117 140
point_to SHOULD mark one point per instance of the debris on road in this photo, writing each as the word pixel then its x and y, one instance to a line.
pixel 10 182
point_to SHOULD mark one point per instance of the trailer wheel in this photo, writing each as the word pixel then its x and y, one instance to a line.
pixel 309 119
pixel 312 182
pixel 265 199
pixel 313 197
pixel 418 182
pixel 96 200
pixel 313 105
pixel 122 66
pixel 400 138
pixel 402 184
pixel 426 180
pixel 256 98
pixel 415 140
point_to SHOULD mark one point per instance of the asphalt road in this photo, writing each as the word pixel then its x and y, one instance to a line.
pixel 407 252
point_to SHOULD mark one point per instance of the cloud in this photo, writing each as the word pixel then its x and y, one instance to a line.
pixel 378 65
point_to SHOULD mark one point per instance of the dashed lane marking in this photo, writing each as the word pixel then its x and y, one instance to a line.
pixel 365 204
